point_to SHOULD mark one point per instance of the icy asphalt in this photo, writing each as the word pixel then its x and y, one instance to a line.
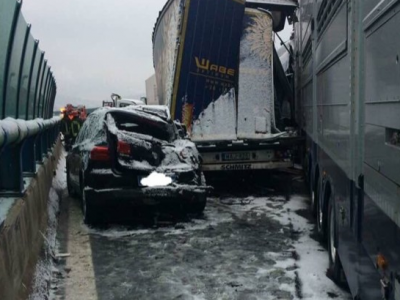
pixel 254 241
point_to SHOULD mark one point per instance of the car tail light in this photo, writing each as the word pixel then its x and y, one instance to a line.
pixel 124 148
pixel 100 153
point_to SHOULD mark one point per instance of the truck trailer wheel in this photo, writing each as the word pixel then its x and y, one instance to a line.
pixel 315 190
pixel 320 213
pixel 335 271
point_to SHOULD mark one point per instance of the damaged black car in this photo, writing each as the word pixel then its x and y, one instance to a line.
pixel 137 157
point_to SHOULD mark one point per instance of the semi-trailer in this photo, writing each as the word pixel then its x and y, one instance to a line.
pixel 348 104
pixel 218 71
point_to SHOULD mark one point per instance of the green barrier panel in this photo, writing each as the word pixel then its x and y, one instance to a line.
pixel 14 69
pixel 27 86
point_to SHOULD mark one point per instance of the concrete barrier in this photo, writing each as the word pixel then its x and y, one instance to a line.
pixel 21 236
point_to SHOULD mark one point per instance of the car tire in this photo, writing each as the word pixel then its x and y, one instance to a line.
pixel 335 271
pixel 198 206
pixel 70 188
pixel 89 211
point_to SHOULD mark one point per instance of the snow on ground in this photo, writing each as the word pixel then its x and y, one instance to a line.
pixel 313 258
pixel 243 248
pixel 45 267
pixel 246 248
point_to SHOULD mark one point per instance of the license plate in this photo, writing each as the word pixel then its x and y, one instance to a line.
pixel 236 156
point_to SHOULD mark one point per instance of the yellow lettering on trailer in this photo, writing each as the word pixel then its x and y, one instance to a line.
pixel 205 64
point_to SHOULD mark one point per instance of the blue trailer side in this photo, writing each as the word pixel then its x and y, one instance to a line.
pixel 208 56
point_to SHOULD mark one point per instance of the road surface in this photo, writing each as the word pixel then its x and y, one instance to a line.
pixel 254 241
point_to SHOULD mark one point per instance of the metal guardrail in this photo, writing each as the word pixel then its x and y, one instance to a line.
pixel 27 94
pixel 23 145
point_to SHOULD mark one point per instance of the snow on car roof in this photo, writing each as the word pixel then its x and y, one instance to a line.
pixel 159 111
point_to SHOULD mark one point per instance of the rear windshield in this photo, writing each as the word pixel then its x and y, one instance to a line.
pixel 159 130
pixel 92 130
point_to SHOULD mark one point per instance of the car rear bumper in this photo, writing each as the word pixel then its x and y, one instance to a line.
pixel 147 195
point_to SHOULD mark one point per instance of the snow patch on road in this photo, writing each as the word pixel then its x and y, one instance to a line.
pixel 312 259
pixel 311 262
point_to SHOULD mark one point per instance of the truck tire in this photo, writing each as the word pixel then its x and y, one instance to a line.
pixel 306 169
pixel 320 213
pixel 315 190
pixel 335 271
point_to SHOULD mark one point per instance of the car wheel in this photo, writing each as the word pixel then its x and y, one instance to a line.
pixel 70 188
pixel 89 211
pixel 198 206
pixel 335 266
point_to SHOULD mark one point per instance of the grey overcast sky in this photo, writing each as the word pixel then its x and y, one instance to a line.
pixel 96 48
